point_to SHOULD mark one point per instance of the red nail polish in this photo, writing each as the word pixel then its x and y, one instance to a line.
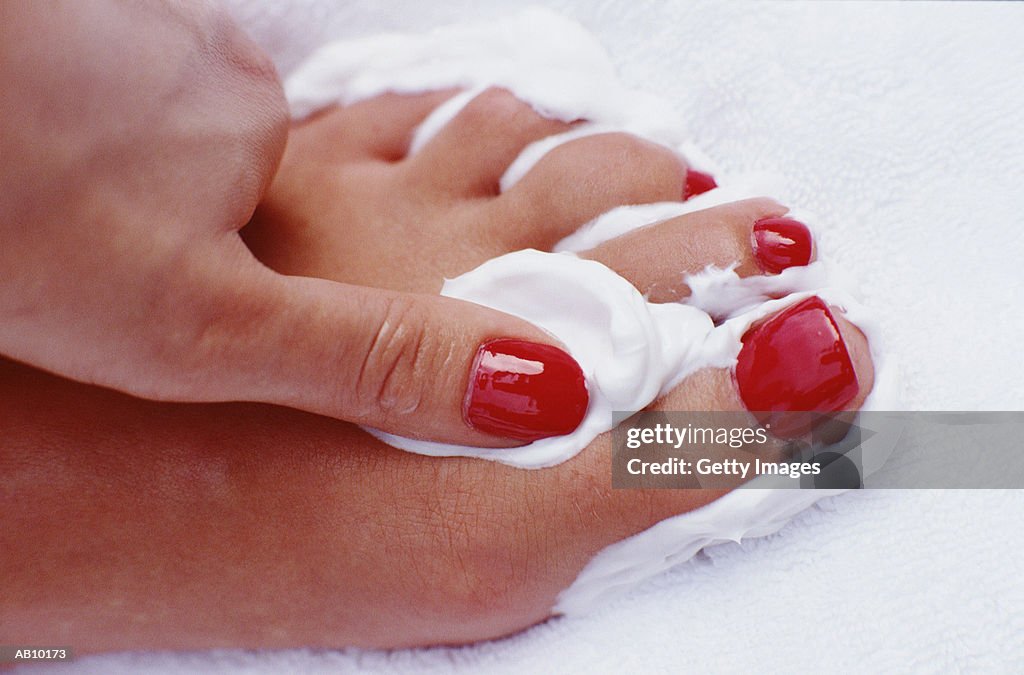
pixel 697 182
pixel 780 243
pixel 795 361
pixel 526 391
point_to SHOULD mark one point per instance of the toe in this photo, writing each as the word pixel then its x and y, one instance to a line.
pixel 753 235
pixel 470 153
pixel 718 397
pixel 804 358
pixel 380 128
pixel 800 362
pixel 581 179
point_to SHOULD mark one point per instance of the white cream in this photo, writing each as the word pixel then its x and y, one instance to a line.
pixel 630 350
pixel 546 59
pixel 440 116
pixel 626 564
pixel 533 153
pixel 623 219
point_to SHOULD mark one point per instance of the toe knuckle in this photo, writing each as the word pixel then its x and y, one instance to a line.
pixel 644 171
pixel 626 147
pixel 647 157
pixel 496 105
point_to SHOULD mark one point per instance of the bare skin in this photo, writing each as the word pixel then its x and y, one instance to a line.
pixel 144 133
pixel 131 524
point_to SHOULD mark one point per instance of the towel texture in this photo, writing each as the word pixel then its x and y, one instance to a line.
pixel 900 127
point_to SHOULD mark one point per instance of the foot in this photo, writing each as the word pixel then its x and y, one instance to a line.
pixel 188 526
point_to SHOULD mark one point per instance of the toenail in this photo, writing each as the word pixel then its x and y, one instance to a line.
pixel 697 182
pixel 781 243
pixel 526 391
pixel 795 362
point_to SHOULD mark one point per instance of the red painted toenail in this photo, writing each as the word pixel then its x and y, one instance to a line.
pixel 795 361
pixel 697 182
pixel 526 391
pixel 780 243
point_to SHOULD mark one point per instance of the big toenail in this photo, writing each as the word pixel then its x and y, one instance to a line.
pixel 795 362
